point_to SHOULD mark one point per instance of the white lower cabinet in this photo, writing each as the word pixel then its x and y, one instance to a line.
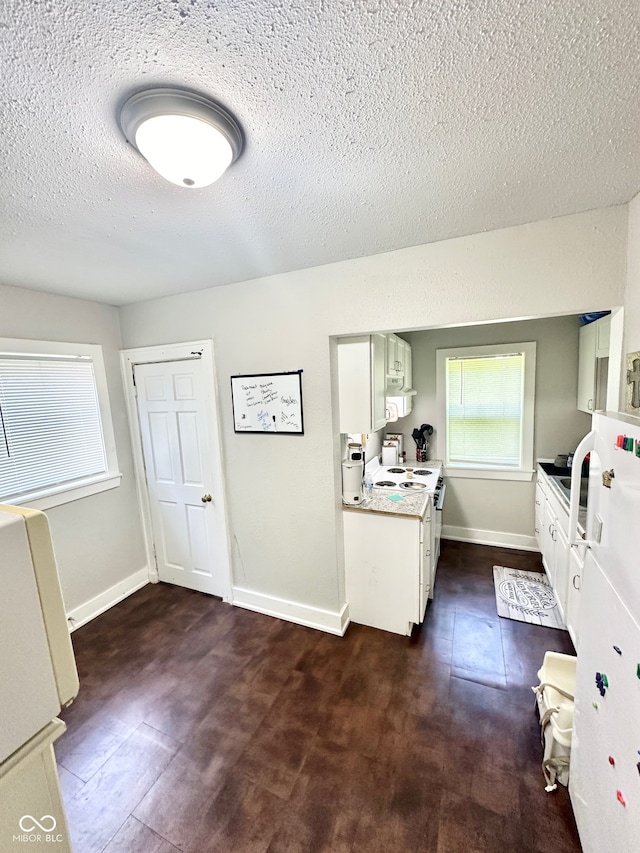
pixel 388 568
pixel 574 586
pixel 561 560
pixel 539 513
pixel 552 534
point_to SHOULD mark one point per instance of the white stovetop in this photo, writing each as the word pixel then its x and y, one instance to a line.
pixel 400 502
pixel 386 472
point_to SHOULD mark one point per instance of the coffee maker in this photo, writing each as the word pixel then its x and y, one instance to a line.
pixel 352 471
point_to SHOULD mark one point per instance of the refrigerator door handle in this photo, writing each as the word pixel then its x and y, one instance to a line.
pixel 586 446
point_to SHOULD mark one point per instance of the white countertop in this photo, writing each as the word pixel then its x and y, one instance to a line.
pixel 397 501
pixel 564 500
pixel 389 502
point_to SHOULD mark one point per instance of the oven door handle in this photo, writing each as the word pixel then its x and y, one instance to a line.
pixel 440 501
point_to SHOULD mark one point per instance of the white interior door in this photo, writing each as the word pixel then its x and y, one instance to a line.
pixel 183 474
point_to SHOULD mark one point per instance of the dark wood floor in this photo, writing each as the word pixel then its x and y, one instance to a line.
pixel 202 727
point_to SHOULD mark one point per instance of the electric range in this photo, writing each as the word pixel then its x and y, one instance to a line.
pixel 404 478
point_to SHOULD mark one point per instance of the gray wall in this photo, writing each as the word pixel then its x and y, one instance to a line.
pixel 503 505
pixel 98 539
pixel 284 492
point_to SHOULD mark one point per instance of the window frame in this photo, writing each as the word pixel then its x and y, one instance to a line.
pixel 81 488
pixel 526 469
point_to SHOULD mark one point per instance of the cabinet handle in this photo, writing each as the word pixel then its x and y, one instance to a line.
pixel 537 503
pixel 537 530
pixel 575 578
pixel 590 404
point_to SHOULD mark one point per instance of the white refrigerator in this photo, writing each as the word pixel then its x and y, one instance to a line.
pixel 37 678
pixel 605 759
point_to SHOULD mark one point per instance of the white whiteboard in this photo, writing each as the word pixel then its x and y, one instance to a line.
pixel 268 402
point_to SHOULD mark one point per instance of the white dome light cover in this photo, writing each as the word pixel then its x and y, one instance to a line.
pixel 188 139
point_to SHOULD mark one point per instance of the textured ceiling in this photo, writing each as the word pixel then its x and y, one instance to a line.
pixel 370 126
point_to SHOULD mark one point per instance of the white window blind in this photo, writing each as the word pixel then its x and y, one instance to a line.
pixel 485 410
pixel 50 425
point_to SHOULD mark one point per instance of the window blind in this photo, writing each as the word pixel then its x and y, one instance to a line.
pixel 50 426
pixel 484 410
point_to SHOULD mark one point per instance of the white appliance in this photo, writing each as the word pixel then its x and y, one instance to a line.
pixel 604 781
pixel 352 491
pixel 407 478
pixel 37 678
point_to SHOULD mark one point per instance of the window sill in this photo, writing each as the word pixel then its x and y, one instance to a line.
pixel 487 474
pixel 48 498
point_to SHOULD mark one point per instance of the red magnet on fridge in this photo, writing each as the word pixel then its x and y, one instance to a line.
pixel 620 798
pixel 612 761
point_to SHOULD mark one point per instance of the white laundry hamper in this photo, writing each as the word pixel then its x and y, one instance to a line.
pixel 554 700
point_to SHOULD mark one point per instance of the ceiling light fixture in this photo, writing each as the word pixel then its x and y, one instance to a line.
pixel 188 139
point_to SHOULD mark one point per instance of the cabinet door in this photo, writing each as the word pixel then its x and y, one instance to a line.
pixel 574 584
pixel 354 384
pixel 408 377
pixel 561 570
pixel 539 514
pixel 548 542
pixel 401 350
pixel 603 336
pixel 587 368
pixel 378 382
pixel 382 557
pixel 427 567
pixel 361 383
pixel 392 354
pixel 424 569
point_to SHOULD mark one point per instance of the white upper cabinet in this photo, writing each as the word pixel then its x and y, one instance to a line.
pixel 402 347
pixel 594 345
pixel 392 355
pixel 362 383
pixel 398 358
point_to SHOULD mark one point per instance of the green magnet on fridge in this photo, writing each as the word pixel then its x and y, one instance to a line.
pixel 605 680
pixel 638 671
pixel 595 705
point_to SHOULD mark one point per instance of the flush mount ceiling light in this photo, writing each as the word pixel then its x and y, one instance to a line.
pixel 188 139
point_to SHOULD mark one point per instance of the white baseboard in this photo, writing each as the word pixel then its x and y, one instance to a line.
pixel 490 537
pixel 333 622
pixel 103 601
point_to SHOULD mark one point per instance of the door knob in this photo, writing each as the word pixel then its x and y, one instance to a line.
pixel 205 499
